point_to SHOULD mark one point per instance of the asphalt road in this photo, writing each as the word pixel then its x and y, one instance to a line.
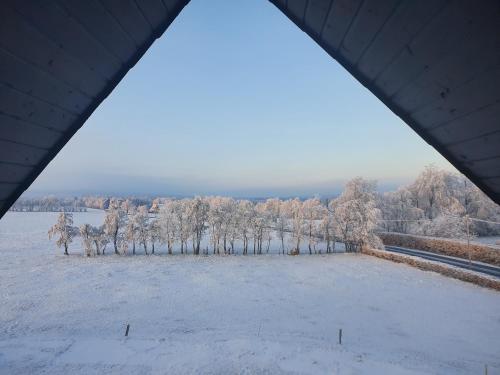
pixel 462 263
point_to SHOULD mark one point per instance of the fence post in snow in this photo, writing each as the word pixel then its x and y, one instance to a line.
pixel 126 331
pixel 340 336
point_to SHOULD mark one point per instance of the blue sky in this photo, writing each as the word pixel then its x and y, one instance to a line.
pixel 235 99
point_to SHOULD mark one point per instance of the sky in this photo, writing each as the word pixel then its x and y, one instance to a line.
pixel 234 99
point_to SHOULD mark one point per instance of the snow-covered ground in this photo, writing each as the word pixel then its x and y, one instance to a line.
pixel 234 314
pixel 492 241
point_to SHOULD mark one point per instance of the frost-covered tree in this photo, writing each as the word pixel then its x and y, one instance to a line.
pixel 198 214
pixel 312 210
pixel 356 214
pixel 127 206
pixel 183 225
pixel 215 218
pixel 233 231
pixel 141 219
pixel 155 206
pixel 131 227
pixel 100 239
pixel 296 215
pixel 64 231
pixel 167 222
pixel 448 226
pixel 154 233
pixel 253 226
pixel 398 212
pixel 114 220
pixel 260 226
pixel 86 234
pixel 432 193
pixel 278 219
pixel 245 218
pixel 327 227
pixel 123 245
pixel 228 208
pixel 475 204
pixel 94 239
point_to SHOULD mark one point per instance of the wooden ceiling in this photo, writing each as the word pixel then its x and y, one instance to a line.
pixel 435 64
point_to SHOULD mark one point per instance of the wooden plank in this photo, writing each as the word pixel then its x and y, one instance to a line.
pixel 371 17
pixel 281 3
pixel 154 11
pixel 32 110
pixel 339 19
pixel 35 82
pixel 14 173
pixel 484 168
pixel 6 189
pixel 16 33
pixel 316 14
pixel 15 130
pixel 102 26
pixel 53 21
pixel 437 40
pixel 475 124
pixel 466 99
pixel 478 52
pixel 410 17
pixel 171 5
pixel 130 18
pixel 20 154
pixel 297 8
pixel 493 183
pixel 480 148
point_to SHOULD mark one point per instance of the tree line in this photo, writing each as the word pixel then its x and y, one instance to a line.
pixel 438 203
pixel 230 225
pixel 52 203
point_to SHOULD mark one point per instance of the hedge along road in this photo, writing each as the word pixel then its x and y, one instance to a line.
pixel 472 266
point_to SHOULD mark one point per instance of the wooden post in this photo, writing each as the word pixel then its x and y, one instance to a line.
pixel 126 331
pixel 485 369
pixel 340 336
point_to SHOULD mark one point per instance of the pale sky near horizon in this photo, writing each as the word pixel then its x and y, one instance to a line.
pixel 235 99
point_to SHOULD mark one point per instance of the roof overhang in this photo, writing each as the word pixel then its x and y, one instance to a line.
pixel 435 64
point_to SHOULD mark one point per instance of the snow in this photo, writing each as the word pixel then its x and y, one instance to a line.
pixel 232 314
pixel 491 241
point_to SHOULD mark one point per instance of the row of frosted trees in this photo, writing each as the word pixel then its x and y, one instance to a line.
pixel 49 204
pixel 438 203
pixel 222 225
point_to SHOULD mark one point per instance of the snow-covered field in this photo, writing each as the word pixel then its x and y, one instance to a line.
pixel 234 314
